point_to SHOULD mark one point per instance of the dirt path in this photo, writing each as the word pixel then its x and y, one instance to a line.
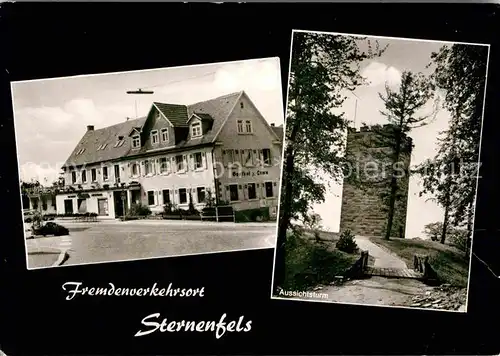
pixel 378 290
pixel 384 291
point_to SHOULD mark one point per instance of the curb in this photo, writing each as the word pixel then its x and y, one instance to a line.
pixel 63 257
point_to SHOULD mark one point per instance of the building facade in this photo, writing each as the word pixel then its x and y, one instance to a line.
pixel 365 199
pixel 222 149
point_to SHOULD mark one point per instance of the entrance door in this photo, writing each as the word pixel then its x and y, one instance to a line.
pixel 68 206
pixel 102 206
pixel 120 200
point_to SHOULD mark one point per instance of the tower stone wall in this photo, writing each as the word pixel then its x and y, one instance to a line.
pixel 366 189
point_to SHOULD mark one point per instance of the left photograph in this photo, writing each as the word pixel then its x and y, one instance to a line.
pixel 148 164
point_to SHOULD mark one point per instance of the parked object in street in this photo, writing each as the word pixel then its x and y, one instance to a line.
pixel 51 228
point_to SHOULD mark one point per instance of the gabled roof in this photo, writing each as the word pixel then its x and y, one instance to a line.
pixel 216 111
pixel 203 116
pixel 175 113
pixel 92 139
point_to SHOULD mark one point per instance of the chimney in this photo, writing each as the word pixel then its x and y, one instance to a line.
pixel 90 127
pixel 272 125
pixel 120 138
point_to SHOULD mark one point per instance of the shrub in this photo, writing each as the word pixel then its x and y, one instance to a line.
pixel 309 264
pixel 139 210
pixel 346 242
pixel 458 238
pixel 252 215
pixel 169 208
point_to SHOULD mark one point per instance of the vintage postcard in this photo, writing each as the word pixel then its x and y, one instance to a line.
pixel 153 163
pixel 380 170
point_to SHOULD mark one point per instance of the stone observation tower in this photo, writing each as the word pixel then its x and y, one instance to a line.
pixel 365 199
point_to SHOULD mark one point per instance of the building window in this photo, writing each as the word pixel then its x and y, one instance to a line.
pixel 241 105
pixel 200 194
pixel 247 157
pixel 269 189
pixel 135 169
pixel 233 192
pixel 240 126
pixel 105 173
pixel 164 135
pixel 119 143
pixel 196 130
pixel 228 157
pixel 182 196
pixel 151 197
pixel 93 173
pixel 252 192
pixel 80 151
pixel 73 177
pixel 84 176
pixel 101 147
pixel 266 156
pixel 154 137
pixel 248 126
pixel 164 165
pixel 117 173
pixel 147 167
pixel 179 163
pixel 198 160
pixel 136 141
pixel 166 196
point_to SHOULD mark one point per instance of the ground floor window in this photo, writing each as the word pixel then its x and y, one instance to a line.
pixel 182 196
pixel 166 196
pixel 233 192
pixel 151 197
pixel 200 194
pixel 269 190
pixel 252 192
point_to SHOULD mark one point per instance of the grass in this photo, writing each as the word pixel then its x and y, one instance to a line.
pixel 450 264
pixel 310 263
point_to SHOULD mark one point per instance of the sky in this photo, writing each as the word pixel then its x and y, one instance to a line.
pixel 51 115
pixel 400 55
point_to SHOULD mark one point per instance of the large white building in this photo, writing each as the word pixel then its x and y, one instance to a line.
pixel 223 147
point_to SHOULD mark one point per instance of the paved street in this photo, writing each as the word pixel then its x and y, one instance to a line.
pixel 107 241
pixel 42 259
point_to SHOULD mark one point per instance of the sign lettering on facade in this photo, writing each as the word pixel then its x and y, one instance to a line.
pixel 250 174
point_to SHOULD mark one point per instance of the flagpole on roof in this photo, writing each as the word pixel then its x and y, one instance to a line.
pixel 139 91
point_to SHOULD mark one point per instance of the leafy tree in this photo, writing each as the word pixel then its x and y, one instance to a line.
pixel 323 67
pixel 403 112
pixel 460 72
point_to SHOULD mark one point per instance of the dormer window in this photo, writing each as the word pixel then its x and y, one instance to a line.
pixel 101 147
pixel 196 130
pixel 154 137
pixel 120 142
pixel 164 135
pixel 136 141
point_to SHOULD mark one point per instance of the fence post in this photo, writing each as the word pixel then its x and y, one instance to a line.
pixel 217 214
pixel 234 216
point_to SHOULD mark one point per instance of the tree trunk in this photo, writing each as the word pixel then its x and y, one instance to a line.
pixel 446 219
pixel 286 214
pixel 394 187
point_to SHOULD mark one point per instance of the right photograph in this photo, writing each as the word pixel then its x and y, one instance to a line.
pixel 381 164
